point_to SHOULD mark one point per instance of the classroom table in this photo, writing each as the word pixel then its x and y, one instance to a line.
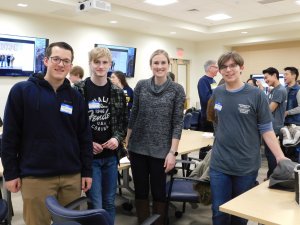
pixel 192 141
pixel 124 167
pixel 266 206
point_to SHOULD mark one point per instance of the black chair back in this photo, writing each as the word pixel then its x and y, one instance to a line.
pixel 187 121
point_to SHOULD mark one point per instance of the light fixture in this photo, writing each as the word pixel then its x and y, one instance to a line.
pixel 297 2
pixel 217 17
pixel 160 2
pixel 113 21
pixel 22 5
pixel 244 32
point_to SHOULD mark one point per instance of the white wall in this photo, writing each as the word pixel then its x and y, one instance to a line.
pixel 82 37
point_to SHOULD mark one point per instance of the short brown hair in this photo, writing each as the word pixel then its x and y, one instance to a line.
pixel 236 57
pixel 77 71
pixel 63 45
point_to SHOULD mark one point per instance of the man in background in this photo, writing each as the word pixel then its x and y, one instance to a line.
pixel 292 113
pixel 277 104
pixel 76 74
pixel 47 141
pixel 206 85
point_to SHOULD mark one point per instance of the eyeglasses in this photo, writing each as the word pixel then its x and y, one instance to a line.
pixel 57 60
pixel 215 67
pixel 231 66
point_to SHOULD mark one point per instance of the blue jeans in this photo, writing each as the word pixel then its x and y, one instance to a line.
pixel 225 187
pixel 104 185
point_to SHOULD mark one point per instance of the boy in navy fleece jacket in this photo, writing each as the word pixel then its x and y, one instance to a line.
pixel 47 144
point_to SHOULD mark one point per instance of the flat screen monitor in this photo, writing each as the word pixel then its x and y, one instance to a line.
pixel 123 59
pixel 260 77
pixel 22 56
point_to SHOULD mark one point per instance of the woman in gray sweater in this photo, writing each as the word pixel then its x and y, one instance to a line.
pixel 153 134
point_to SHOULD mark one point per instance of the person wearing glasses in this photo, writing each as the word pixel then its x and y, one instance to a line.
pixel 243 115
pixel 106 106
pixel 47 141
pixel 206 85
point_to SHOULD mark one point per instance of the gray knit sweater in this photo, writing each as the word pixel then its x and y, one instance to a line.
pixel 156 117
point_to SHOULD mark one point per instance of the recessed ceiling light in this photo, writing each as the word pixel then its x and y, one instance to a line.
pixel 218 17
pixel 113 21
pixel 160 2
pixel 244 32
pixel 172 32
pixel 297 2
pixel 22 5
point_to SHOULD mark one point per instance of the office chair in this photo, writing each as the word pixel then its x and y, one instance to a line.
pixel 187 121
pixel 6 210
pixel 3 212
pixel 66 223
pixel 181 189
pixel 69 213
pixel 195 120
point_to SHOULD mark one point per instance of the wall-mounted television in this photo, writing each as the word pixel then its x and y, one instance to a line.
pixel 22 56
pixel 123 59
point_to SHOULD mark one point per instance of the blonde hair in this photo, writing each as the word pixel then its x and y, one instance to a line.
pixel 159 52
pixel 99 52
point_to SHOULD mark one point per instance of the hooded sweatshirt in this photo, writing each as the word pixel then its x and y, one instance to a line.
pixel 45 133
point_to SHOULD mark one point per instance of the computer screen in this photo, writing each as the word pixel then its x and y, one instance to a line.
pixel 123 59
pixel 21 55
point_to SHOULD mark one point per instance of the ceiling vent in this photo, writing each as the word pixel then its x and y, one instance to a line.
pixel 268 1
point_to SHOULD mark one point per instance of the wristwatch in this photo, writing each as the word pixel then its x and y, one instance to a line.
pixel 175 153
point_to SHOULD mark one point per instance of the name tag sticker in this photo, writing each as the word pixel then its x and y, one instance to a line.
pixel 65 108
pixel 218 106
pixel 213 85
pixel 94 105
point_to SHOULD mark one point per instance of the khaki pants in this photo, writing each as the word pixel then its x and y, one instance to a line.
pixel 35 190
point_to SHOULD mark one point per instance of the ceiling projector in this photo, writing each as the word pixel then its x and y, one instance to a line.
pixel 94 5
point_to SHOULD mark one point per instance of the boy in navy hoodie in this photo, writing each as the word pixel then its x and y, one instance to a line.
pixel 47 143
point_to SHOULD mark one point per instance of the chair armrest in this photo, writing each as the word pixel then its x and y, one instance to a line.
pixel 150 220
pixel 185 161
pixel 78 202
pixel 185 166
pixel 196 159
pixel 196 180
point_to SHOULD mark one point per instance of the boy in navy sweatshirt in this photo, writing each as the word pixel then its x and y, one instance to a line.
pixel 47 143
